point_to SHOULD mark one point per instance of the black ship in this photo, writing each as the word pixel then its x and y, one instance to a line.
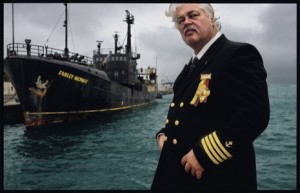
pixel 57 85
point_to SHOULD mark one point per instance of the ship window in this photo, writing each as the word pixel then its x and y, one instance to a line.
pixel 125 58
pixel 116 74
pixel 112 58
pixel 123 72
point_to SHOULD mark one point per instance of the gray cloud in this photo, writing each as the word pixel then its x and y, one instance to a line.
pixel 172 53
pixel 278 42
pixel 271 28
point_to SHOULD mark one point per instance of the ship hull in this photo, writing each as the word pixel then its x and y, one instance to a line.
pixel 12 114
pixel 52 91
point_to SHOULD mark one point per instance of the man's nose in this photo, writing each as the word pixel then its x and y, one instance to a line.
pixel 187 20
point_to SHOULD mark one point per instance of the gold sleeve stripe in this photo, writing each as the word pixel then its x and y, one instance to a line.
pixel 208 152
pixel 220 145
pixel 211 149
pixel 212 141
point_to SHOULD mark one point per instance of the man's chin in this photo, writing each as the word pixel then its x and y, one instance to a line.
pixel 190 40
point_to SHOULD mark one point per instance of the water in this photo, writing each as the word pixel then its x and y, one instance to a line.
pixel 121 153
pixel 276 148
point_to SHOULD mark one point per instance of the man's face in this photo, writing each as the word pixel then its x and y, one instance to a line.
pixel 195 27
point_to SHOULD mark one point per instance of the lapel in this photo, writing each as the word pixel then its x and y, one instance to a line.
pixel 181 76
pixel 184 80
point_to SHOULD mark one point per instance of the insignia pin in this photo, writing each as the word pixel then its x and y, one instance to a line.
pixel 229 143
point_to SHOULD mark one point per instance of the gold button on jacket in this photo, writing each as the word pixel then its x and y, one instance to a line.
pixel 174 141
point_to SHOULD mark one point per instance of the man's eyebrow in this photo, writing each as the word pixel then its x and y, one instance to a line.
pixel 189 12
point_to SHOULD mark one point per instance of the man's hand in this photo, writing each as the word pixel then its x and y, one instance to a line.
pixel 161 141
pixel 191 164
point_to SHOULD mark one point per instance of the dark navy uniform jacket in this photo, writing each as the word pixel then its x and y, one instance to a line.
pixel 218 110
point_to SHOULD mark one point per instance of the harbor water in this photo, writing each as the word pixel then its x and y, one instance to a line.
pixel 120 152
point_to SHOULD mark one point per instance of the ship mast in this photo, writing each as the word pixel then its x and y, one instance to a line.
pixel 129 20
pixel 13 28
pixel 66 34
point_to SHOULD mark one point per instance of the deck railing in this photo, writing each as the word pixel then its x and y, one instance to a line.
pixel 41 51
pixel 106 51
pixel 23 49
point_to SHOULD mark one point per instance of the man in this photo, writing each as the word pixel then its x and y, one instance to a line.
pixel 220 106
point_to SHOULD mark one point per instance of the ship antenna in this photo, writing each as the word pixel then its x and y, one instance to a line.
pixel 66 35
pixel 135 40
pixel 70 28
pixel 116 38
pixel 99 46
pixel 129 20
pixel 13 29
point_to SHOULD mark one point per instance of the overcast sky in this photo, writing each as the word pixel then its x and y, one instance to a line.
pixel 270 27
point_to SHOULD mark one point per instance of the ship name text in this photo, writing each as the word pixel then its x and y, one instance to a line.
pixel 73 77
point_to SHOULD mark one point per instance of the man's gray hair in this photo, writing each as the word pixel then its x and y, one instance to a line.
pixel 208 9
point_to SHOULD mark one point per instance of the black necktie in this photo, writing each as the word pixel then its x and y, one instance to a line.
pixel 194 63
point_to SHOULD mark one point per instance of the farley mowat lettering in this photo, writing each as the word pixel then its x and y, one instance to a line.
pixel 73 77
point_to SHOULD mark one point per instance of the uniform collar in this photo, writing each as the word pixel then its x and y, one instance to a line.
pixel 205 48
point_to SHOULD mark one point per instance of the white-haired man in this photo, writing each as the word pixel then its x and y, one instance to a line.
pixel 220 106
